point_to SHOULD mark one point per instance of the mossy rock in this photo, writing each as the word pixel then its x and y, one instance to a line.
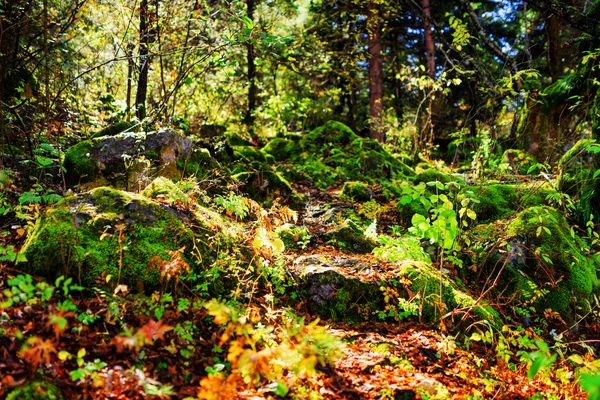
pixel 333 153
pixel 250 153
pixel 334 293
pixel 263 182
pixel 281 149
pixel 519 161
pixel 348 235
pixel 36 390
pixel 425 282
pixel 78 162
pixel 576 178
pixel 332 133
pixel 164 189
pixel 434 175
pixel 571 278
pixel 234 139
pixel 79 237
pixel 114 129
pixel 293 236
pixel 358 191
pixel 199 163
pixel 498 200
pixel 122 159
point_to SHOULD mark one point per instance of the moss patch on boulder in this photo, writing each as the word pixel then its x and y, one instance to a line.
pixel 358 191
pixel 498 200
pixel 570 276
pixel 349 235
pixel 107 232
pixel 333 153
pixel 78 162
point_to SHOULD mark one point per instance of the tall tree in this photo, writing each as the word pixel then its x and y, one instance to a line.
pixel 252 88
pixel 429 45
pixel 144 61
pixel 375 72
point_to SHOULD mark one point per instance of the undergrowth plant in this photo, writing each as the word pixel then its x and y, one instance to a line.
pixel 265 354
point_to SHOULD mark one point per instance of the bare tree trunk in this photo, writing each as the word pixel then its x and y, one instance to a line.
pixel 142 87
pixel 252 89
pixel 554 56
pixel 375 72
pixel 130 68
pixel 429 45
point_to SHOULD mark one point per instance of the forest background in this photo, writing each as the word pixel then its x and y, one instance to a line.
pixel 449 98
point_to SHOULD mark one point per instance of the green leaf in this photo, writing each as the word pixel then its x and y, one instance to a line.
pixel 591 384
pixel 248 21
pixel 78 374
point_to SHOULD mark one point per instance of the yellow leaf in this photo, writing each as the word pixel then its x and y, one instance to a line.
pixel 81 353
pixel 64 355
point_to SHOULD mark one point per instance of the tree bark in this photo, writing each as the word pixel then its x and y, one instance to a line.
pixel 142 87
pixel 375 72
pixel 554 56
pixel 252 89
pixel 429 45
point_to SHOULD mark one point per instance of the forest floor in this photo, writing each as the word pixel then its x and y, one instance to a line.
pixel 102 345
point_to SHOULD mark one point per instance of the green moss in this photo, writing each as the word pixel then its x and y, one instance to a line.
pixel 36 390
pixel 114 129
pixel 281 149
pixel 199 163
pixel 77 162
pixel 293 236
pixel 434 175
pixel 250 153
pixel 79 237
pixel 498 200
pixel 237 140
pixel 426 281
pixel 572 274
pixel 333 153
pixel 578 149
pixel 356 191
pixel 165 189
pixel 349 235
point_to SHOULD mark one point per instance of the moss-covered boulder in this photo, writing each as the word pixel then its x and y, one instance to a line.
pixel 114 129
pixel 434 175
pixel 348 289
pixel 555 260
pixel 281 149
pixel 576 177
pixel 293 236
pixel 199 163
pixel 358 191
pixel 333 153
pixel 424 282
pixel 335 288
pixel 348 235
pixel 166 190
pixel 124 160
pixel 497 200
pixel 109 232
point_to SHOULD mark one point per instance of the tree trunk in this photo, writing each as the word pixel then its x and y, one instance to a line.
pixel 554 56
pixel 375 72
pixel 252 89
pixel 429 45
pixel 142 87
